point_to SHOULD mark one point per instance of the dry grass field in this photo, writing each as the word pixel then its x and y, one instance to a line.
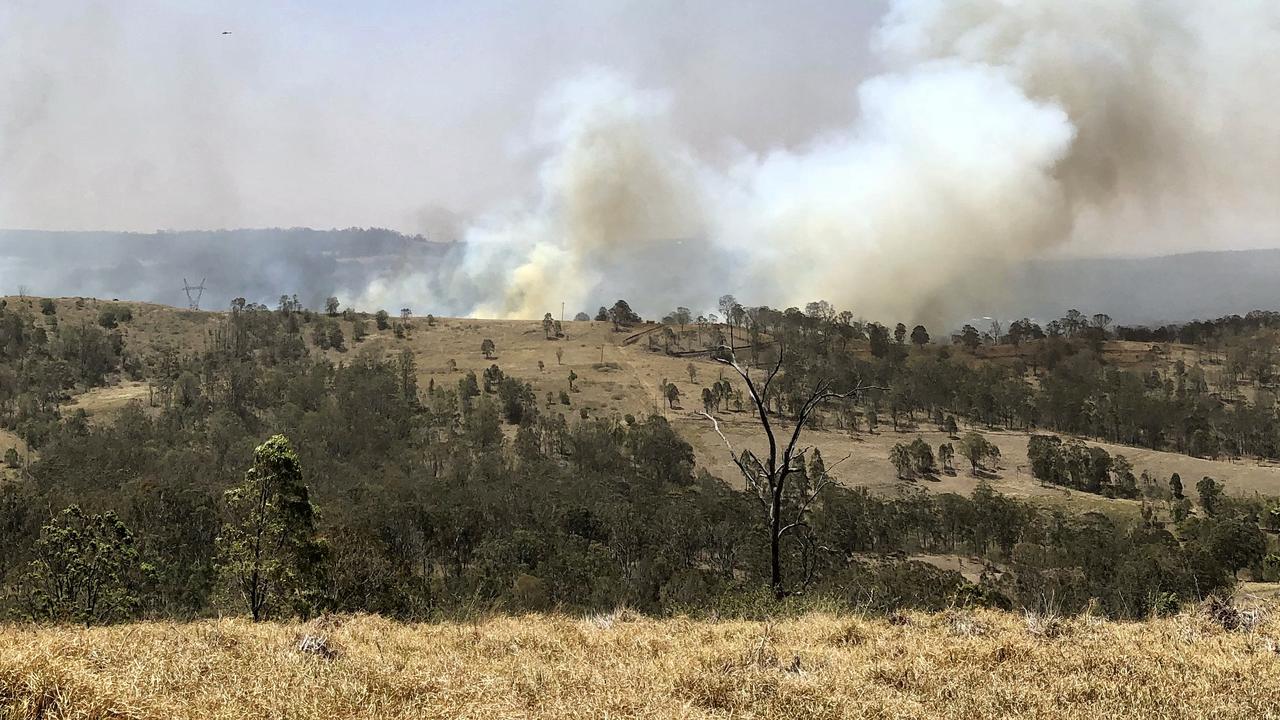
pixel 962 665
pixel 628 381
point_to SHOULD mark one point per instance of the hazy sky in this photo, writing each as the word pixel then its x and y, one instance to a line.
pixel 141 114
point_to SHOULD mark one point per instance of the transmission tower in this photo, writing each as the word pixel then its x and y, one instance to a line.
pixel 193 301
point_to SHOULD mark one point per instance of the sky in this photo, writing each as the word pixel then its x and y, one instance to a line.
pixel 891 156
pixel 141 115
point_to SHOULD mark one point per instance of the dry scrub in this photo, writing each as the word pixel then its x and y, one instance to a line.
pixel 952 665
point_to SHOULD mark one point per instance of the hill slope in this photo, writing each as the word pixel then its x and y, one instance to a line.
pixel 613 377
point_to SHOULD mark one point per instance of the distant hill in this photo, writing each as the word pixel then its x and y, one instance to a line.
pixel 258 264
pixel 261 264
pixel 1153 290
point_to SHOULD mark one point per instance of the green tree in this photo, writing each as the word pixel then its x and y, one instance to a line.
pixel 922 459
pixel 900 456
pixel 977 449
pixel 487 348
pixel 1210 494
pixel 622 315
pixel 920 336
pixel 1175 486
pixel 84 569
pixel 382 319
pixel 951 427
pixel 1237 543
pixel 682 316
pixel 947 456
pixel 331 306
pixel 672 394
pixel 269 554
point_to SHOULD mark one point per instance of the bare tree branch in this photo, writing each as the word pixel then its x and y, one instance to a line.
pixel 751 479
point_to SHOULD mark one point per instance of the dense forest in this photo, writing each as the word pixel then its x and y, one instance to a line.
pixel 265 478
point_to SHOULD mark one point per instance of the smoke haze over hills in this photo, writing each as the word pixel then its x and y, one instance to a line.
pixel 261 265
pixel 908 159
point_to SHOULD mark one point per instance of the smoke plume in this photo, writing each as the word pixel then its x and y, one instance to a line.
pixel 662 152
pixel 998 131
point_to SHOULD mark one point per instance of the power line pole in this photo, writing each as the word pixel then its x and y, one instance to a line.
pixel 193 301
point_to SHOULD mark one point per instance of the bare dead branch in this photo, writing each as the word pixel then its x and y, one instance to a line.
pixel 836 464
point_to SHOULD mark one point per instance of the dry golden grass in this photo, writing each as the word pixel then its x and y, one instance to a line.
pixel 950 665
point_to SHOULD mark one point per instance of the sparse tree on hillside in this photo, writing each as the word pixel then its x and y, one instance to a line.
pixel 331 306
pixel 969 337
pixel 572 376
pixel 879 339
pixel 682 316
pixel 548 324
pixel 693 371
pixel 919 336
pixel 922 460
pixel 1074 322
pixel 1237 543
pixel 487 348
pixel 951 427
pixel 1210 495
pixel 727 304
pixel 382 319
pixel 900 456
pixel 559 355
pixel 672 393
pixel 977 449
pixel 337 340
pixel 996 331
pixel 900 333
pixel 602 314
pixel 268 551
pixel 622 315
pixel 947 456
pixel 768 478
pixel 1175 486
pixel 581 317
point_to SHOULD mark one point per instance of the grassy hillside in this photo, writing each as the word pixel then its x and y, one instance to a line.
pixel 617 378
pixel 952 665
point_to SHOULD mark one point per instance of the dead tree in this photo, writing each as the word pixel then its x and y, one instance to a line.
pixel 767 478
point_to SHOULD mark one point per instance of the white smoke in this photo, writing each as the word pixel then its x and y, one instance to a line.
pixel 1000 129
